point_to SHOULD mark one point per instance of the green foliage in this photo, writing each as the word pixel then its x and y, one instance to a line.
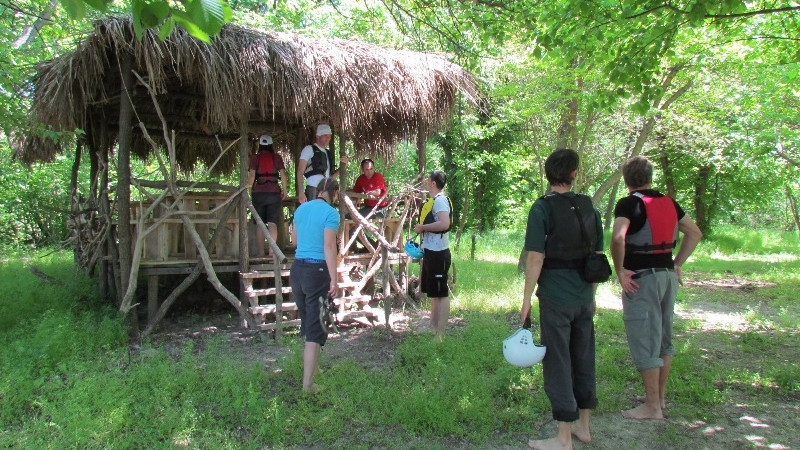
pixel 68 379
pixel 33 202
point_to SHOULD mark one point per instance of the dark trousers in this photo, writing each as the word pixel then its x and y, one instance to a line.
pixel 310 282
pixel 569 363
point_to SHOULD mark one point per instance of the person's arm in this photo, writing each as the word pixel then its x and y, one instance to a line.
pixel 330 257
pixel 533 268
pixel 691 236
pixel 294 234
pixel 620 229
pixel 301 168
pixel 381 190
pixel 284 184
pixel 251 178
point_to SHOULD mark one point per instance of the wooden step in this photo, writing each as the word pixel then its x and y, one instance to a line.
pixel 284 324
pixel 350 315
pixel 259 275
pixel 270 309
pixel 250 292
pixel 346 300
pixel 348 284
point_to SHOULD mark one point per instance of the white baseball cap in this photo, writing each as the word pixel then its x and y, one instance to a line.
pixel 265 139
pixel 323 129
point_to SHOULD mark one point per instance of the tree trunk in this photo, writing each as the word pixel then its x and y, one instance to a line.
pixel 30 32
pixel 567 132
pixel 793 208
pixel 124 188
pixel 610 207
pixel 647 127
pixel 666 167
pixel 700 204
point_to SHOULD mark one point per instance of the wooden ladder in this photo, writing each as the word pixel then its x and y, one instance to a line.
pixel 273 304
pixel 352 302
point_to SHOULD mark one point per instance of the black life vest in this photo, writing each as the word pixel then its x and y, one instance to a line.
pixel 564 247
pixel 320 162
pixel 660 231
pixel 426 215
pixel 266 172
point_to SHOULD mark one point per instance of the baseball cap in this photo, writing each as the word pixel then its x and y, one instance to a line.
pixel 323 129
pixel 265 139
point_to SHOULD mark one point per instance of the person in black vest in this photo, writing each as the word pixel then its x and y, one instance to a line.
pixel 555 255
pixel 646 227
pixel 315 163
pixel 267 186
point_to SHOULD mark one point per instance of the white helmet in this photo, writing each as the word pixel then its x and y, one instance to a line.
pixel 520 350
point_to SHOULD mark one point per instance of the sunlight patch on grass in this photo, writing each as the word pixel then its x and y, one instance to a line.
pixel 770 257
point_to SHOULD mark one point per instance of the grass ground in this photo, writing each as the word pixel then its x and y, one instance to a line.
pixel 68 377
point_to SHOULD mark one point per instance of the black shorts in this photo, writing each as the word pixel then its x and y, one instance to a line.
pixel 267 205
pixel 309 282
pixel 433 274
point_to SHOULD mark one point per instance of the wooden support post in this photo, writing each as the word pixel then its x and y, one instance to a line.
pixel 421 153
pixel 278 297
pixel 342 189
pixel 152 297
pixel 244 159
pixel 387 290
pixel 472 249
pixel 125 138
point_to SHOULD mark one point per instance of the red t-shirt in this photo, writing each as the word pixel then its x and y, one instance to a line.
pixel 376 182
pixel 267 187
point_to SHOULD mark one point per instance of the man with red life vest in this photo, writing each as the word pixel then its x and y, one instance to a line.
pixel 372 184
pixel 646 227
pixel 267 186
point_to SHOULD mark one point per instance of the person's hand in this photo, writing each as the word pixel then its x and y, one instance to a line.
pixel 418 228
pixel 301 198
pixel 626 281
pixel 343 159
pixel 332 288
pixel 679 274
pixel 525 311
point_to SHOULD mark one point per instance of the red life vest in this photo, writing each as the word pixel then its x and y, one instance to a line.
pixel 266 172
pixel 660 231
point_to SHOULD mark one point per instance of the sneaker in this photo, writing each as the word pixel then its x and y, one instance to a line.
pixel 327 315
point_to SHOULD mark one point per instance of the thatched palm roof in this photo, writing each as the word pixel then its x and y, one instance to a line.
pixel 374 97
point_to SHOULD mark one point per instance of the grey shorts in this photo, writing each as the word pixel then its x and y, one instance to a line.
pixel 648 315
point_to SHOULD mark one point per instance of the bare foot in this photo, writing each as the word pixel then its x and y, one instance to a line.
pixel 313 389
pixel 583 435
pixel 642 399
pixel 549 444
pixel 643 412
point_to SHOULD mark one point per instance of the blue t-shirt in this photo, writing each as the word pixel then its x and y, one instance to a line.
pixel 310 220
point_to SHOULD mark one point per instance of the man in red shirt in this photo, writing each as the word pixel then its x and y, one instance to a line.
pixel 373 185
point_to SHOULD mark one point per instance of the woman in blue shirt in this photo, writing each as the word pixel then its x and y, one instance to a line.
pixel 313 273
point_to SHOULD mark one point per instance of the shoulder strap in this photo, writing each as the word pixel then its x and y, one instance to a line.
pixel 584 242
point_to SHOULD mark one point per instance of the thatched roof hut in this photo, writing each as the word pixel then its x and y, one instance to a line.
pixel 278 83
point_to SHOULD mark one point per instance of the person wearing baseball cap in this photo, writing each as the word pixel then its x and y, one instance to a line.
pixel 267 186
pixel 316 163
